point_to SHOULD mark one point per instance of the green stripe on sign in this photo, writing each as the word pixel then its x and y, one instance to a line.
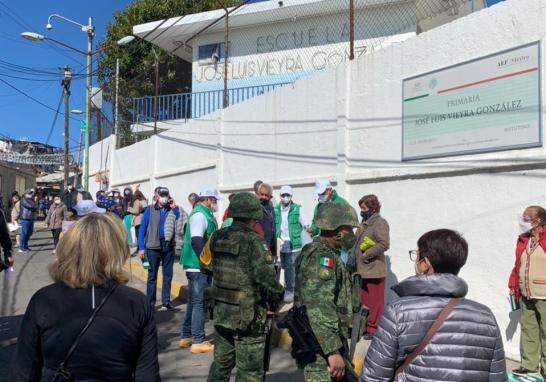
pixel 414 98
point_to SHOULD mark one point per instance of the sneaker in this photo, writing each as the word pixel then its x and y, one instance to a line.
pixel 523 371
pixel 22 250
pixel 184 343
pixel 165 307
pixel 54 252
pixel 203 347
pixel 288 297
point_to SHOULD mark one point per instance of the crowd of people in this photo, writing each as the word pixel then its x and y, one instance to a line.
pixel 333 265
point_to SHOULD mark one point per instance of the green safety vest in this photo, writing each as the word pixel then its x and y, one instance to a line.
pixel 188 258
pixel 294 226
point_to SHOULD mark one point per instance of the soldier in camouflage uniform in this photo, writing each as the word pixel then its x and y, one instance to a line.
pixel 324 286
pixel 244 287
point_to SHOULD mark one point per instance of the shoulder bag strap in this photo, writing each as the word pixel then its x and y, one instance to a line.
pixel 431 332
pixel 61 369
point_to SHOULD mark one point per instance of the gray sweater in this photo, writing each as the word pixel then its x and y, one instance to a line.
pixel 467 347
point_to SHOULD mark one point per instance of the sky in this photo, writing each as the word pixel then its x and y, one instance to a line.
pixel 21 117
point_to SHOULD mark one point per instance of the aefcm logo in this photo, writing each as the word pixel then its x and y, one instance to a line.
pixel 513 61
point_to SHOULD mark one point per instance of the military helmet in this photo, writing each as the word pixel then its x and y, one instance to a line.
pixel 245 205
pixel 332 215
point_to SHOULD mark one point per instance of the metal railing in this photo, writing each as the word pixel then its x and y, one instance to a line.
pixel 193 105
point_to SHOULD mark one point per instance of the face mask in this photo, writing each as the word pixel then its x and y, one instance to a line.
pixel 127 192
pixel 57 201
pixel 164 200
pixel 366 214
pixel 265 202
pixel 322 198
pixel 347 241
pixel 286 199
pixel 524 226
pixel 214 208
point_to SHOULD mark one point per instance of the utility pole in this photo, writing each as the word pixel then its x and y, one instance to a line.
pixel 116 115
pixel 66 93
pixel 351 30
pixel 226 51
pixel 156 99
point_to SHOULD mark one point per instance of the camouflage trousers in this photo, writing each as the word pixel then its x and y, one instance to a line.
pixel 232 349
pixel 315 369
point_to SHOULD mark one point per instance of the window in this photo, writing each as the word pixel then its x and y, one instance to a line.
pixel 212 53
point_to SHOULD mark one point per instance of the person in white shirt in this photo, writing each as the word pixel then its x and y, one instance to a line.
pixel 289 223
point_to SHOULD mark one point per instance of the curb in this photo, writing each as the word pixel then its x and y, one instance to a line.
pixel 178 290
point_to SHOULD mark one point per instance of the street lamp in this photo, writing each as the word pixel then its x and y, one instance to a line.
pixel 89 29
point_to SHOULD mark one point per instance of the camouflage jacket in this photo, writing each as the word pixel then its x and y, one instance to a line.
pixel 244 277
pixel 324 286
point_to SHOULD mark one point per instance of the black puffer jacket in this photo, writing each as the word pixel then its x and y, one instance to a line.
pixel 468 346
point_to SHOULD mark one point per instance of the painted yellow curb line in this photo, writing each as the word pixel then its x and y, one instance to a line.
pixel 178 290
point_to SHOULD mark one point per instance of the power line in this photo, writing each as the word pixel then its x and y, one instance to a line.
pixel 32 98
pixel 54 119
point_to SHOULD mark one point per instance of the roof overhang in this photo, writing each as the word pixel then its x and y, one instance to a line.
pixel 177 34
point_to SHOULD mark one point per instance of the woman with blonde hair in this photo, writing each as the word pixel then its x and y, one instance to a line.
pixel 88 325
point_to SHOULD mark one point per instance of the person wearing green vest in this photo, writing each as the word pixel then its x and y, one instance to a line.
pixel 325 193
pixel 201 225
pixel 289 222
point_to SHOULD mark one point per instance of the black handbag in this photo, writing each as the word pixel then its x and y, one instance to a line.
pixel 61 374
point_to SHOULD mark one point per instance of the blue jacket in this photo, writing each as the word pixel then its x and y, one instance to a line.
pixel 145 221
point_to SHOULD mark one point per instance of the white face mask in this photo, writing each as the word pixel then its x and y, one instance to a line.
pixel 322 198
pixel 524 226
pixel 164 200
pixel 214 208
pixel 286 199
pixel 57 201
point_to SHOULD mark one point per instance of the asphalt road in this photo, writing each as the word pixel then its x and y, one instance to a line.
pixel 30 274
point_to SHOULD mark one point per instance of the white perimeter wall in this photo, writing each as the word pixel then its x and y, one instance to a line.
pixel 346 125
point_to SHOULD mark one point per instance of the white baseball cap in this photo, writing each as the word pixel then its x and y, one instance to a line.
pixel 210 192
pixel 321 186
pixel 286 190
pixel 86 207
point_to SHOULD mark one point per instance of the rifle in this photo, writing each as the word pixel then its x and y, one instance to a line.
pixel 268 329
pixel 359 320
pixel 304 341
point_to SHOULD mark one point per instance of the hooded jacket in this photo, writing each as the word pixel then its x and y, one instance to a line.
pixel 467 347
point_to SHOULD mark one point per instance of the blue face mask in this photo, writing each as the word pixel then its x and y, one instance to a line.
pixel 366 215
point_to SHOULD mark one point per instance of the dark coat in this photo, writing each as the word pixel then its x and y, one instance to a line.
pixel 371 263
pixel 120 345
pixel 28 209
pixel 467 347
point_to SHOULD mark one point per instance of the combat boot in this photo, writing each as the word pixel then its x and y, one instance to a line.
pixel 203 347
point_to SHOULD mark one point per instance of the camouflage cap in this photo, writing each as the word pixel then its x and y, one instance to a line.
pixel 332 215
pixel 245 205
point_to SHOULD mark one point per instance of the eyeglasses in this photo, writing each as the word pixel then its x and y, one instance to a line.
pixel 413 254
pixel 285 195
